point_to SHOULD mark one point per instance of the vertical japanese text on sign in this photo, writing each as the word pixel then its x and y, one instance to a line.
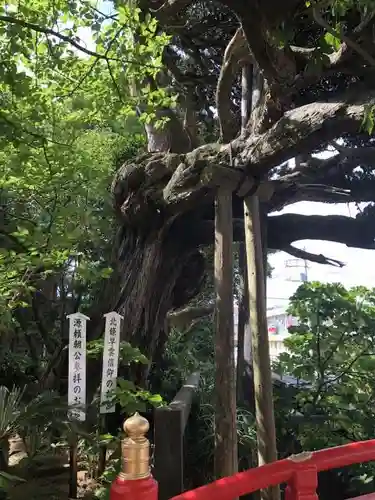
pixel 110 361
pixel 77 366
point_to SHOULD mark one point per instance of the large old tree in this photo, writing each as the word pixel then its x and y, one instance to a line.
pixel 317 60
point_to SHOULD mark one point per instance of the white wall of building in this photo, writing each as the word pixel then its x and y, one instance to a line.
pixel 278 323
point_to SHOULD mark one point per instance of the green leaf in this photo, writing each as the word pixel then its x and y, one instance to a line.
pixel 126 385
pixel 368 120
pixel 155 399
pixel 332 41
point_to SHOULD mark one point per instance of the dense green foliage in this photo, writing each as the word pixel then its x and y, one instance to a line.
pixel 56 236
pixel 66 124
pixel 67 120
pixel 332 353
pixel 333 350
pixel 67 113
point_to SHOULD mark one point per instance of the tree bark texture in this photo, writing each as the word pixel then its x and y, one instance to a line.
pixel 153 274
pixel 225 383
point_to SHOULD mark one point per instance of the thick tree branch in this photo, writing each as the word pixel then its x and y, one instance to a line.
pixel 288 228
pixel 359 153
pixel 283 230
pixel 334 179
pixel 183 317
pixel 236 52
pixel 319 259
pixel 303 129
pixel 288 194
pixel 175 183
pixel 313 168
pixel 276 65
pixel 360 191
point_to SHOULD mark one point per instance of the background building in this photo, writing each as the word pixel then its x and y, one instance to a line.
pixel 278 323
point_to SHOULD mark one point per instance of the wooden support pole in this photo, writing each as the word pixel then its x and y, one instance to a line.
pixel 264 412
pixel 169 451
pixel 103 447
pixel 225 383
pixel 73 467
pixel 242 323
pixel 169 428
pixel 243 337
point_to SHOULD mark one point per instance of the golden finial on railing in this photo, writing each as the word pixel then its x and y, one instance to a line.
pixel 135 449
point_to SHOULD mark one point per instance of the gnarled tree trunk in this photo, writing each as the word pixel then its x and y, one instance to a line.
pixel 156 272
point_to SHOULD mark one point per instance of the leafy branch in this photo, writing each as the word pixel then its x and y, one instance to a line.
pixel 49 31
pixel 340 36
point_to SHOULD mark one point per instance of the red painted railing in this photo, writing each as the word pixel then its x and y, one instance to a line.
pixel 300 472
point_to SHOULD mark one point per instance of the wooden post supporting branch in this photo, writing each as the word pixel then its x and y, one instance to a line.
pixel 243 340
pixel 103 447
pixel 73 466
pixel 225 384
pixel 264 412
pixel 242 324
pixel 256 258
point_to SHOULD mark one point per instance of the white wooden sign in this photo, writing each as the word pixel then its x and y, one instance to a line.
pixel 77 366
pixel 110 360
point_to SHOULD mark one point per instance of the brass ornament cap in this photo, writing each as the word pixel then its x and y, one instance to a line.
pixel 136 426
pixel 135 449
